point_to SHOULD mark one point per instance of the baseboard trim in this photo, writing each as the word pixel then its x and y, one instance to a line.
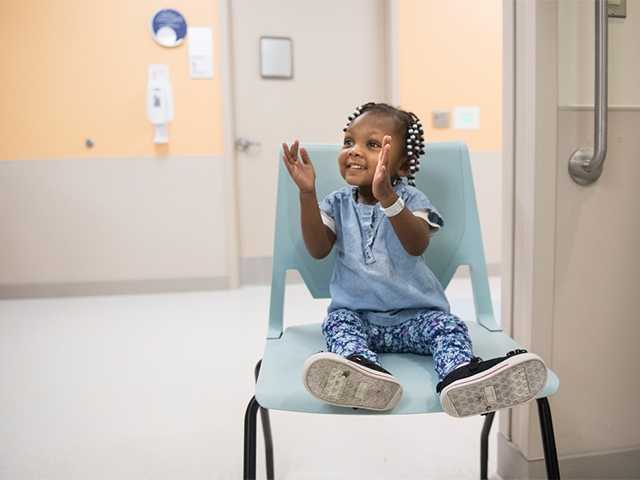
pixel 124 287
pixel 257 271
pixel 621 464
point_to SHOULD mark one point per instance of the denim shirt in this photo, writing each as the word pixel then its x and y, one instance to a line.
pixel 374 275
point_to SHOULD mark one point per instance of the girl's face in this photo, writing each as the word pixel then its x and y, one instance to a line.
pixel 362 146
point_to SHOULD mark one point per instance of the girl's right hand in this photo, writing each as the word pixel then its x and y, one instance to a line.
pixel 300 169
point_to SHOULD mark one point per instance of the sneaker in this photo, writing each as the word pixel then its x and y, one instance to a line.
pixel 351 381
pixel 481 386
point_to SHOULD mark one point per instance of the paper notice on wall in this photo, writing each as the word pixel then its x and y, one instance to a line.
pixel 200 41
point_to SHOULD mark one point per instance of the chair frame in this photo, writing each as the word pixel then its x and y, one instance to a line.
pixel 484 317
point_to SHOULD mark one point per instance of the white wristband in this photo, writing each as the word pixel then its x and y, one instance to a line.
pixel 394 209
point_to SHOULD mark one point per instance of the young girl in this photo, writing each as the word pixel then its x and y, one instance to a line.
pixel 384 298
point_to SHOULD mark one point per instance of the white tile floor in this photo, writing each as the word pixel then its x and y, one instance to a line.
pixel 155 386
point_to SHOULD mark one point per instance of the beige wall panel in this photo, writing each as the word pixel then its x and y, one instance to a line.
pixel 596 328
pixel 110 220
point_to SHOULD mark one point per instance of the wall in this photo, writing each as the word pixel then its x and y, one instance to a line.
pixel 110 236
pixel 79 69
pixel 450 54
pixel 577 58
pixel 126 215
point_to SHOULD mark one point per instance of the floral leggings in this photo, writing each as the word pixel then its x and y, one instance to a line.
pixel 431 332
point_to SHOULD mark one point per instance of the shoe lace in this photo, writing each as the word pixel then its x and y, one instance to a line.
pixel 517 351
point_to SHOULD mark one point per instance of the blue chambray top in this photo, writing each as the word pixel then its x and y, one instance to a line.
pixel 374 275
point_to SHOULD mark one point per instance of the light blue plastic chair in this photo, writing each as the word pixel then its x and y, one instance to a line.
pixel 445 177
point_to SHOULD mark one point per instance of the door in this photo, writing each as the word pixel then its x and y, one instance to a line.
pixel 338 63
pixel 597 266
pixel 575 244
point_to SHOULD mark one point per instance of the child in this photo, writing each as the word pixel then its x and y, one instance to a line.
pixel 384 296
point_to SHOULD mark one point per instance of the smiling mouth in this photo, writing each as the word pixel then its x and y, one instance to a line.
pixel 356 167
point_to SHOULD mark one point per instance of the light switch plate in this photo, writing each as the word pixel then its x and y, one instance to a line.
pixel 440 118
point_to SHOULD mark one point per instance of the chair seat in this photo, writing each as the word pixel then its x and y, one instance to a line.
pixel 280 386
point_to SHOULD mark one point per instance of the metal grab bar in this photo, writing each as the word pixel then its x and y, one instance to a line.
pixel 585 167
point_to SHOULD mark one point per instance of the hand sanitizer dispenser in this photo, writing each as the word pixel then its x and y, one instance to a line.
pixel 159 102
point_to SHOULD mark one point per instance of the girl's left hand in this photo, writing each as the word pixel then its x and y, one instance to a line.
pixel 381 186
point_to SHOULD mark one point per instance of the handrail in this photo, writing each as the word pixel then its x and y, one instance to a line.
pixel 585 167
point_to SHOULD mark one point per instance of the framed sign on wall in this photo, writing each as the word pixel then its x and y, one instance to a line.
pixel 276 57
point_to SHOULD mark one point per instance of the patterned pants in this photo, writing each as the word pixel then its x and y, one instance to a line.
pixel 431 332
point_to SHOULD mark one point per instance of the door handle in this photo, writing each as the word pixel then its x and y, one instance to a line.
pixel 585 164
pixel 243 144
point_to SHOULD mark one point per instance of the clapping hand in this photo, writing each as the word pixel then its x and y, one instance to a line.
pixel 381 186
pixel 300 168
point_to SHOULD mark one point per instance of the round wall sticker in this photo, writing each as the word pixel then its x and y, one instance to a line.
pixel 168 27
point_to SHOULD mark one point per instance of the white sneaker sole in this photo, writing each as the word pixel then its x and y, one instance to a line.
pixel 516 380
pixel 338 381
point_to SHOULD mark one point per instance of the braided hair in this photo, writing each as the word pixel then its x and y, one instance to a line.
pixel 409 123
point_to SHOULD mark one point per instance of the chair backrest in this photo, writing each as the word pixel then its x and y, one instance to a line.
pixel 445 177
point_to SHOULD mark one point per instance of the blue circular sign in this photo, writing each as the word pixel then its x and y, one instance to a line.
pixel 168 27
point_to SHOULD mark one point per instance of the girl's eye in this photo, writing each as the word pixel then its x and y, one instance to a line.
pixel 374 144
pixel 348 142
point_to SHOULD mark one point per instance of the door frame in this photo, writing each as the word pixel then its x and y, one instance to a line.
pixel 532 206
pixel 508 180
pixel 230 206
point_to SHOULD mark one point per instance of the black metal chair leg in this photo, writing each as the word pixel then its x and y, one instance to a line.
pixel 250 420
pixel 268 445
pixel 484 444
pixel 548 439
pixel 266 431
pixel 256 370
